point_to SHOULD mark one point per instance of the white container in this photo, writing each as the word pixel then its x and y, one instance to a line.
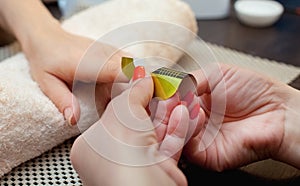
pixel 258 13
pixel 210 9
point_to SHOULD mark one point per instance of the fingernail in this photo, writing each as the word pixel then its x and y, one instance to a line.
pixel 195 111
pixel 183 103
pixel 139 72
pixel 189 97
pixel 68 114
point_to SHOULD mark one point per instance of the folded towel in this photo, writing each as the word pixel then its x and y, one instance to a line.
pixel 30 124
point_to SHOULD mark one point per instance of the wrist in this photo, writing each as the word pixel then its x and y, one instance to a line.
pixel 36 36
pixel 37 31
pixel 289 151
pixel 26 19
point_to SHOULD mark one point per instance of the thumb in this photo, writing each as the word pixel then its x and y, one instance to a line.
pixel 62 97
pixel 141 91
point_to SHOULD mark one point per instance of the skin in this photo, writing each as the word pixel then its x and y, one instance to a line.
pixel 261 120
pixel 54 55
pixel 88 162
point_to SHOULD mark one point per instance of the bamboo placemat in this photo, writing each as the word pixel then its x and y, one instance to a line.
pixel 208 52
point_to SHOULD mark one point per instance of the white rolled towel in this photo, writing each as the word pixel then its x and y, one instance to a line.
pixel 30 124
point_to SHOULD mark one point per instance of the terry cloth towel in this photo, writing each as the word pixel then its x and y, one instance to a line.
pixel 30 124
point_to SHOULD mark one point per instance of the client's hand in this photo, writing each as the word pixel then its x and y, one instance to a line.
pixel 63 57
pixel 58 57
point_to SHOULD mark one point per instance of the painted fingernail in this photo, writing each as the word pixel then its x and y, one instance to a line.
pixel 195 111
pixel 183 103
pixel 139 72
pixel 68 114
pixel 189 97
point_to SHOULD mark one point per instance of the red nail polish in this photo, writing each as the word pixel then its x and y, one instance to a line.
pixel 139 72
pixel 195 111
pixel 183 103
pixel 189 97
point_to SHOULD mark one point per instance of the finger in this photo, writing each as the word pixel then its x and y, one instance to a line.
pixel 189 98
pixel 192 100
pixel 61 96
pixel 197 114
pixel 196 123
pixel 129 110
pixel 162 115
pixel 118 88
pixel 174 140
pixel 141 91
pixel 101 63
pixel 153 107
pixel 202 82
pixel 208 77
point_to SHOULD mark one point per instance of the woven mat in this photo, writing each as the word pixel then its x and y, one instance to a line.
pixel 208 52
pixel 54 167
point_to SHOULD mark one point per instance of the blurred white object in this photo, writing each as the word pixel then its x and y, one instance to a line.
pixel 258 13
pixel 210 9
pixel 70 7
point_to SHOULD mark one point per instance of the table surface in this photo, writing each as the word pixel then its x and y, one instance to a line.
pixel 279 42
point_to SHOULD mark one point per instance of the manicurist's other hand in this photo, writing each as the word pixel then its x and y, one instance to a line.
pixel 249 117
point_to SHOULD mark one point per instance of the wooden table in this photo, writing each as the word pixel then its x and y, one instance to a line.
pixel 280 42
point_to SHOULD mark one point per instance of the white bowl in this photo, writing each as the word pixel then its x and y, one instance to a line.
pixel 258 13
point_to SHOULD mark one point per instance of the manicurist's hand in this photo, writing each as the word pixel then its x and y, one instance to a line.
pixel 123 147
pixel 250 117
